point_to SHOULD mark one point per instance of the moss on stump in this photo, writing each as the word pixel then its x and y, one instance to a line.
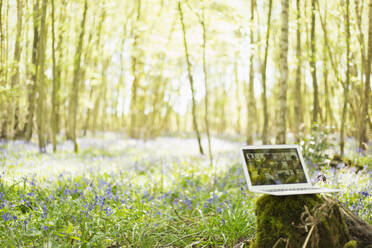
pixel 292 221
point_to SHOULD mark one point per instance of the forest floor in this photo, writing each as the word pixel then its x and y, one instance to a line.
pixel 120 192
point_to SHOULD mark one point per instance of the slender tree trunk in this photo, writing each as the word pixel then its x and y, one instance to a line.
pixel 206 119
pixel 100 96
pixel 363 137
pixel 4 52
pixel 74 97
pixel 41 85
pixel 222 117
pixel 87 120
pixel 298 108
pixel 329 116
pixel 3 122
pixel 237 95
pixel 134 132
pixel 191 80
pixel 346 86
pixel 251 100
pixel 281 135
pixel 13 108
pixel 33 86
pixel 55 87
pixel 265 130
pixel 316 108
pixel 59 62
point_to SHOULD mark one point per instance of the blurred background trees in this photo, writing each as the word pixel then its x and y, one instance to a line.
pixel 264 70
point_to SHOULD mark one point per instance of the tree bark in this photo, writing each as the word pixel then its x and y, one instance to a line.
pixel 74 96
pixel 298 108
pixel 191 81
pixel 206 119
pixel 363 137
pixel 265 130
pixel 237 96
pixel 134 132
pixel 13 108
pixel 316 108
pixel 41 85
pixel 281 135
pixel 55 86
pixel 329 116
pixel 101 94
pixel 347 83
pixel 33 86
pixel 307 221
pixel 251 99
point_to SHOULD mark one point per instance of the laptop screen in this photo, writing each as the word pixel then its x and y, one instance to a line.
pixel 274 166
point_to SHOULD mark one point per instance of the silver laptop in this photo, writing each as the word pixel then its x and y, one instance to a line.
pixel 277 170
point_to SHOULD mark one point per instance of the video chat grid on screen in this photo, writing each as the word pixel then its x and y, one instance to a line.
pixel 270 167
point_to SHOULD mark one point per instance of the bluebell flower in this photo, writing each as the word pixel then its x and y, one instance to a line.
pixel 365 193
pixel 188 203
pixel 108 210
pixel 66 192
pixel 223 221
pixel 6 217
pixel 44 214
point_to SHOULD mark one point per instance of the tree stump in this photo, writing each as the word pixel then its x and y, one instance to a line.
pixel 308 221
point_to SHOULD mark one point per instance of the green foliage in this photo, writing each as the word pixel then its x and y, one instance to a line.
pixel 351 244
pixel 315 145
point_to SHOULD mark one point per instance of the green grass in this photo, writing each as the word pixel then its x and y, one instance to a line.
pixel 130 193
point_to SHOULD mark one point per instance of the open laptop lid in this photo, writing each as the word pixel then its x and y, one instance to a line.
pixel 274 167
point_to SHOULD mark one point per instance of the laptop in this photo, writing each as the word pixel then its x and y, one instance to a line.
pixel 278 170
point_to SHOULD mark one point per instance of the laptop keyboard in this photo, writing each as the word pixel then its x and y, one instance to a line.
pixel 290 189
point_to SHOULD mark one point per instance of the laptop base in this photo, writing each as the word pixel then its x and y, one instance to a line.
pixel 282 192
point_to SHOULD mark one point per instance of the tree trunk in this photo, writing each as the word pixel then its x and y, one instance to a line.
pixel 59 63
pixel 4 69
pixel 363 138
pixel 41 85
pixel 251 100
pixel 298 109
pixel 134 132
pixel 74 97
pixel 329 116
pixel 13 108
pixel 55 87
pixel 191 80
pixel 281 135
pixel 1 65
pixel 265 130
pixel 347 83
pixel 237 96
pixel 206 119
pixel 313 66
pixel 101 92
pixel 33 86
pixel 308 221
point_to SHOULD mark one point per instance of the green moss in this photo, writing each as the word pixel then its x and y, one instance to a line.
pixel 351 244
pixel 279 217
